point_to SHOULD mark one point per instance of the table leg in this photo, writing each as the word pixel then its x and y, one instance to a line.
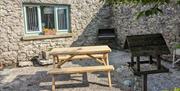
pixel 132 61
pixel 138 63
pixel 158 62
pixel 144 85
pixel 109 79
pixel 106 58
pixel 59 62
pixel 53 83
pixel 54 61
pixel 150 60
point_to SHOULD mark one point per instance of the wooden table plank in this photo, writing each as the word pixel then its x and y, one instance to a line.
pixel 64 57
pixel 80 50
pixel 89 69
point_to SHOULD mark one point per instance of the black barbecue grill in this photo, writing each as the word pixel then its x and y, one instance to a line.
pixel 106 34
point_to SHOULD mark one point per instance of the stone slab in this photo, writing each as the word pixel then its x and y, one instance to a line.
pixel 45 61
pixel 25 63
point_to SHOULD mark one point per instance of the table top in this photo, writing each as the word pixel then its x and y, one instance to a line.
pixel 81 50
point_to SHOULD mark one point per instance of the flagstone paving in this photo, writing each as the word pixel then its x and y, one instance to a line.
pixel 36 78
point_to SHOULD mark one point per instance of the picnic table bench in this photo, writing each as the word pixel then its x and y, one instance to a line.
pixel 63 55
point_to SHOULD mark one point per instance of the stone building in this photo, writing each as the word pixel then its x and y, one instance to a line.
pixel 22 23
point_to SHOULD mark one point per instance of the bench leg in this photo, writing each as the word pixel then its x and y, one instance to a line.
pixel 109 79
pixel 85 78
pixel 53 83
pixel 54 61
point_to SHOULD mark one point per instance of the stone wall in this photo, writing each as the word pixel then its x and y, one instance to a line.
pixel 168 24
pixel 86 17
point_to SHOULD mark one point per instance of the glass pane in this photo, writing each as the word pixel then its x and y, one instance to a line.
pixel 47 15
pixel 32 19
pixel 62 19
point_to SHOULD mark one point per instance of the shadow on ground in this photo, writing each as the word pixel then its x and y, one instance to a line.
pixel 42 81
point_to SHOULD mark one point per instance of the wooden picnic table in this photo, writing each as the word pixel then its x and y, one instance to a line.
pixel 63 55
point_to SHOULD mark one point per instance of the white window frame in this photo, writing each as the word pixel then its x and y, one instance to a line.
pixel 39 19
pixel 56 18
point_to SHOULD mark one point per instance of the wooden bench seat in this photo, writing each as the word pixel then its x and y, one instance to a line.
pixel 89 69
pixel 64 57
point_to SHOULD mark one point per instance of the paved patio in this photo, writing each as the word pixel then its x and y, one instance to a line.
pixel 36 79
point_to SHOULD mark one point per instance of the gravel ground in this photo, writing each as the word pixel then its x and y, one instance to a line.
pixel 36 78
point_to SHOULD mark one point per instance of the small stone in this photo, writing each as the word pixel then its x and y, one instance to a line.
pixel 128 83
pixel 45 62
pixel 5 72
pixel 25 63
pixel 45 55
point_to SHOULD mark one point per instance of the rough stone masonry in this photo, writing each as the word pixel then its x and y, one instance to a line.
pixel 87 16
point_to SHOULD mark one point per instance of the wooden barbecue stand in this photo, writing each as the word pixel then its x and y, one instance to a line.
pixel 63 55
pixel 152 45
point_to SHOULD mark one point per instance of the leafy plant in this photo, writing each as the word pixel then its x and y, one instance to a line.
pixel 151 11
pixel 49 49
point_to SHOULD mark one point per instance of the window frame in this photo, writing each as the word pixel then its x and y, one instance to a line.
pixel 56 7
pixel 39 19
pixel 56 18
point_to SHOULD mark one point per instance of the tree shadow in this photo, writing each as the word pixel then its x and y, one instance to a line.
pixel 102 20
pixel 3 75
pixel 1 78
pixel 42 81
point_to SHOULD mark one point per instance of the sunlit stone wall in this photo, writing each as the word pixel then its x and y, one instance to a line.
pixel 126 23
pixel 87 16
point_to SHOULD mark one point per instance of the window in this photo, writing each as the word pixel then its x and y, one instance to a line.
pixel 39 17
pixel 32 19
pixel 61 19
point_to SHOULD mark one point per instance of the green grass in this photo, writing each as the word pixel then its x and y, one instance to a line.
pixel 178 46
pixel 175 89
